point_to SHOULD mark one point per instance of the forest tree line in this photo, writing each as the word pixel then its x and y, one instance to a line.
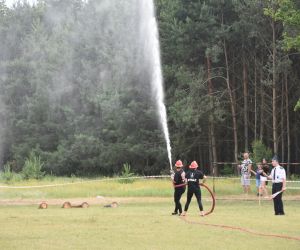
pixel 231 76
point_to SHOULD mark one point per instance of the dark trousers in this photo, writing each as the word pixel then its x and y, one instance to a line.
pixel 278 205
pixel 177 196
pixel 190 194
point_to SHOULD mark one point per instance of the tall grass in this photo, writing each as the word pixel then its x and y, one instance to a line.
pixel 76 187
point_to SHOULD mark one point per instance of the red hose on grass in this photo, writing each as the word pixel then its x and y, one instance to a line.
pixel 212 197
pixel 230 227
pixel 241 229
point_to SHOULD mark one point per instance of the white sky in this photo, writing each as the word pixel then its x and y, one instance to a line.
pixel 9 3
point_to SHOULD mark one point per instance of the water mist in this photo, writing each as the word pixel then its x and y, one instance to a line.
pixel 152 50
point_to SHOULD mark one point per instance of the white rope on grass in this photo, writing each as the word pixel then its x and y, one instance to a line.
pixel 88 181
pixel 271 181
pixel 239 178
pixel 125 178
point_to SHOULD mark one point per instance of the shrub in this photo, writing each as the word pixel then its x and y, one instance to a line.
pixel 8 175
pixel 297 107
pixel 33 167
pixel 294 177
pixel 49 177
pixel 126 174
pixel 227 170
pixel 260 151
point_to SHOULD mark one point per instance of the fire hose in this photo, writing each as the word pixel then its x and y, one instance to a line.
pixel 210 192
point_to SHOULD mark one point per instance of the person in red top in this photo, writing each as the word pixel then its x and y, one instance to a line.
pixel 179 186
pixel 192 178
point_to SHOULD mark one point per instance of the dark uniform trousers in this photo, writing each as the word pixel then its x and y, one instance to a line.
pixel 177 195
pixel 190 193
pixel 278 205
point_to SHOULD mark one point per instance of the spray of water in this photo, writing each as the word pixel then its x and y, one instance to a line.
pixel 153 51
pixel 130 28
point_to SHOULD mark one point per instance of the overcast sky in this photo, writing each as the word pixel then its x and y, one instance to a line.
pixel 9 3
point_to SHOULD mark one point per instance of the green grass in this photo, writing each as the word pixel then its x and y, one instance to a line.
pixel 145 225
pixel 89 189
pixel 141 222
pixel 139 188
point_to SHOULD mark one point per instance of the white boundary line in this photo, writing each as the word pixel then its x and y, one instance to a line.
pixel 239 178
pixel 88 181
pixel 124 178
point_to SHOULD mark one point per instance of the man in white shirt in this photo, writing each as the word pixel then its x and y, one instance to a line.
pixel 278 177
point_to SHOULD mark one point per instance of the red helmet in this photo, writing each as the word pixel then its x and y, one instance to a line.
pixel 194 165
pixel 178 163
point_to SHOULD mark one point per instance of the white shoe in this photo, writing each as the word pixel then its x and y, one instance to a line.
pixel 202 213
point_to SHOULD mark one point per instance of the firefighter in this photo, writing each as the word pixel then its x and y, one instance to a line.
pixel 192 178
pixel 179 186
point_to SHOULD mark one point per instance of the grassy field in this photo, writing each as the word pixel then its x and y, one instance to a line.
pixel 143 220
pixel 147 226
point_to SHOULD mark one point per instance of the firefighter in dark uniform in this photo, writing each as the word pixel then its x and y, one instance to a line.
pixel 278 177
pixel 192 177
pixel 179 186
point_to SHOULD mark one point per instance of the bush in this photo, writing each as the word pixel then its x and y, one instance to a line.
pixel 49 177
pixel 8 175
pixel 33 167
pixel 227 170
pixel 294 177
pixel 260 151
pixel 297 107
pixel 126 174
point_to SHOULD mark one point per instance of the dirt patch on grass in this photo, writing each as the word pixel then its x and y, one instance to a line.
pixel 92 201
pixel 255 198
pixel 101 200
